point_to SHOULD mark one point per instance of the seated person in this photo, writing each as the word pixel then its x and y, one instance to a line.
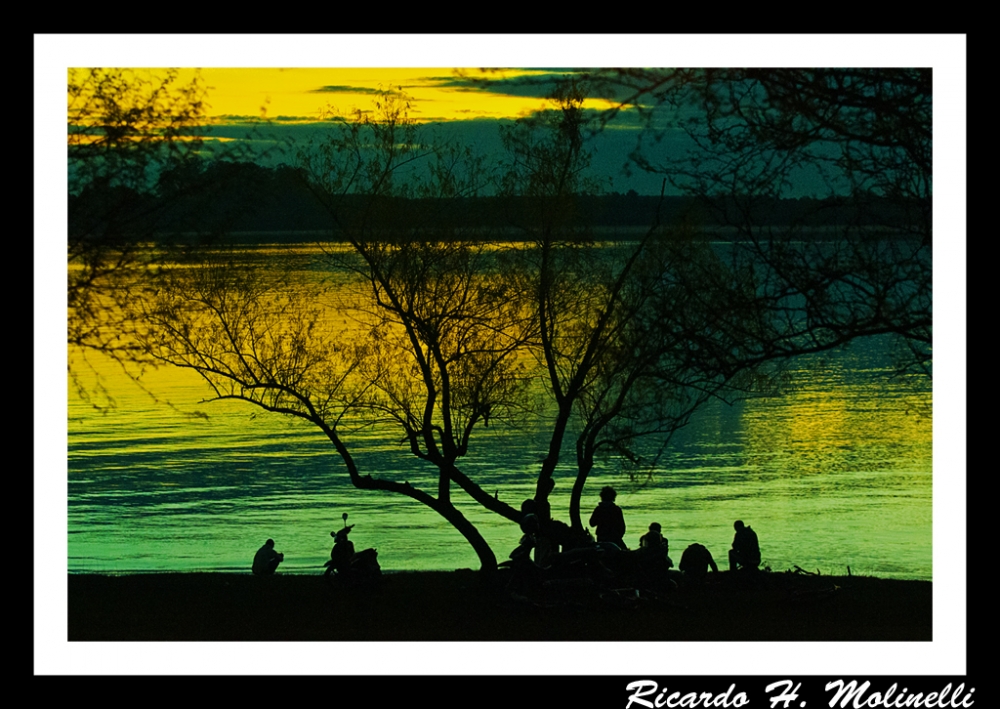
pixel 526 573
pixel 266 560
pixel 522 552
pixel 542 533
pixel 695 562
pixel 343 550
pixel 656 543
pixel 745 553
pixel 651 556
pixel 652 538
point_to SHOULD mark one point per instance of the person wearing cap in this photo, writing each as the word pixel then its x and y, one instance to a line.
pixel 266 560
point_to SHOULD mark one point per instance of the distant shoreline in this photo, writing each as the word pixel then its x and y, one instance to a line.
pixel 317 571
pixel 455 606
pixel 617 234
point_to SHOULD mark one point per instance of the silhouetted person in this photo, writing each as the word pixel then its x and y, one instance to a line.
pixel 653 538
pixel 526 575
pixel 343 550
pixel 652 554
pixel 542 507
pixel 546 538
pixel 695 562
pixel 608 519
pixel 529 526
pixel 266 560
pixel 745 553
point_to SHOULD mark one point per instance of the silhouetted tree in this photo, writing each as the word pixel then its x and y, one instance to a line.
pixel 630 340
pixel 143 182
pixel 432 353
pixel 628 351
pixel 123 127
pixel 862 138
pixel 633 345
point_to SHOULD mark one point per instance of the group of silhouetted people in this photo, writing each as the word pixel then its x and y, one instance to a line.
pixel 696 560
pixel 545 536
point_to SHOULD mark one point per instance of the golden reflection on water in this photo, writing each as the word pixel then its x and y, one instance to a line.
pixel 835 472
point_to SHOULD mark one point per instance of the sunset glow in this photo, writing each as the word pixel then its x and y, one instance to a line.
pixel 302 287
pixel 303 93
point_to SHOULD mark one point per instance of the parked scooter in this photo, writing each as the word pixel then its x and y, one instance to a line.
pixel 346 565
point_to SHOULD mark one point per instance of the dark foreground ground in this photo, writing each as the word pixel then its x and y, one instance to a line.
pixel 454 606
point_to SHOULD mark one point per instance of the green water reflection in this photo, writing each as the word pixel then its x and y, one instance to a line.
pixel 835 473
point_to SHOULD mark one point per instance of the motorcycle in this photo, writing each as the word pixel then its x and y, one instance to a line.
pixel 346 565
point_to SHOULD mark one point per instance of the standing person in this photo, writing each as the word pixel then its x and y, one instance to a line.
pixel 745 553
pixel 546 543
pixel 266 560
pixel 609 519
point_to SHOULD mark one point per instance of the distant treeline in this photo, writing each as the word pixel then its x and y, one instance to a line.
pixel 256 203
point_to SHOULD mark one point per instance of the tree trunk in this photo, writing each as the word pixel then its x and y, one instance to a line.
pixel 487 559
pixel 574 500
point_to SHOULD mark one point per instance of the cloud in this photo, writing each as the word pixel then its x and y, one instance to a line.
pixel 535 85
pixel 225 122
pixel 344 89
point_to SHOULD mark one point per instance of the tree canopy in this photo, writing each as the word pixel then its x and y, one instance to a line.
pixel 455 327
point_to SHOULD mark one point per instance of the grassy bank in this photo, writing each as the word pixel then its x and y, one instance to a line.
pixel 455 606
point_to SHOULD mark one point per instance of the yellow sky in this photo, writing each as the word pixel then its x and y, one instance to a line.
pixel 295 92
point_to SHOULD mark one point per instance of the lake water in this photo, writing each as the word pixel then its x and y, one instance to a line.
pixel 836 473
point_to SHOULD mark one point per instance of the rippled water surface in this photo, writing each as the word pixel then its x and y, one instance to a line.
pixel 835 473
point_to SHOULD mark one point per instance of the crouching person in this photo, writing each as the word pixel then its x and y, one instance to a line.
pixel 695 563
pixel 266 560
pixel 745 553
